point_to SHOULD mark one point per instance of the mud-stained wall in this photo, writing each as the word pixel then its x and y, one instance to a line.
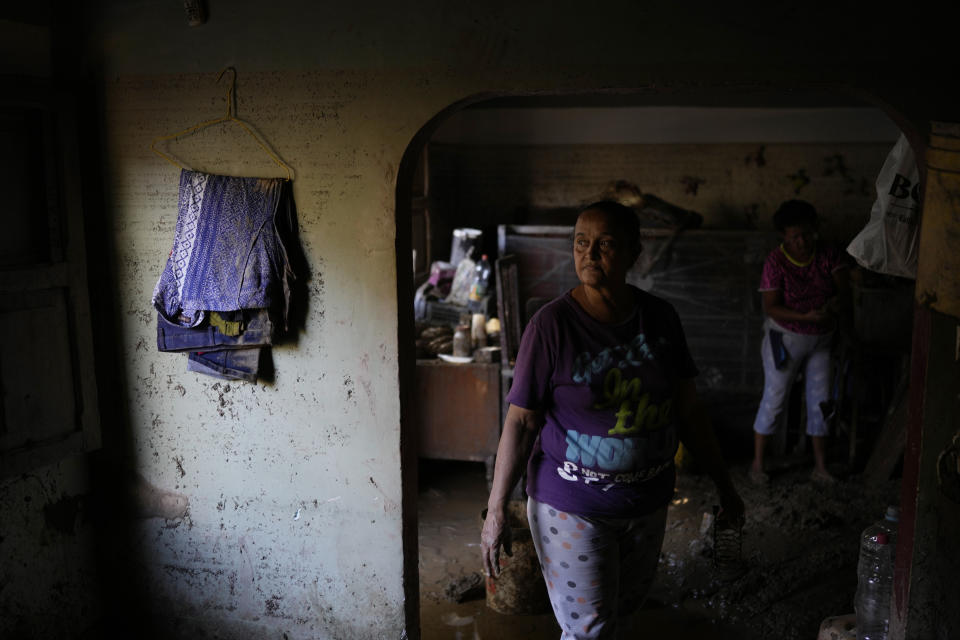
pixel 292 486
pixel 733 186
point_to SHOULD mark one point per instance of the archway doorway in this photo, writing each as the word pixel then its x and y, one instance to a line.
pixel 473 126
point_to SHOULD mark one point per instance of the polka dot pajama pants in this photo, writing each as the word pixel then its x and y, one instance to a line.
pixel 596 569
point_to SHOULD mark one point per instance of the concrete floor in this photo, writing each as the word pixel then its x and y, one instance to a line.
pixel 799 556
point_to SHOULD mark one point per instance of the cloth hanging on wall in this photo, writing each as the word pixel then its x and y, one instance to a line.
pixel 228 261
pixel 227 253
pixel 255 330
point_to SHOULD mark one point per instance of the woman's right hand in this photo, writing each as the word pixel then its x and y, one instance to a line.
pixel 496 533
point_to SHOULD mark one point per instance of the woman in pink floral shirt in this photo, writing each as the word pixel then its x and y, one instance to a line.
pixel 799 285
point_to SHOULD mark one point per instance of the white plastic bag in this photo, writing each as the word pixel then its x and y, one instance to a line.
pixel 888 244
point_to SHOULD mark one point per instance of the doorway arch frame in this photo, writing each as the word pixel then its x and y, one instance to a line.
pixel 916 136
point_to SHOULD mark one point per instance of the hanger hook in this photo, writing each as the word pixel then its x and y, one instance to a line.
pixel 231 90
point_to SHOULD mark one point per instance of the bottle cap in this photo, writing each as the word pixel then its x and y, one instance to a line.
pixel 882 538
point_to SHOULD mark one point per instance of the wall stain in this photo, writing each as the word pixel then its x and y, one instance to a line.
pixel 367 384
pixel 63 514
pixel 758 157
pixel 225 404
pixel 836 164
pixel 272 605
pixel 388 504
pixel 691 184
pixel 368 388
pixel 800 179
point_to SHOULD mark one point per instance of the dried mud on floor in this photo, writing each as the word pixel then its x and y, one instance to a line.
pixel 799 557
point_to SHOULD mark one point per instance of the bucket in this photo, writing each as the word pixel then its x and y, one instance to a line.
pixel 519 589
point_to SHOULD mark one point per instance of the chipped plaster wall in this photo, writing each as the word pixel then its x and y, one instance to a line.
pixel 292 487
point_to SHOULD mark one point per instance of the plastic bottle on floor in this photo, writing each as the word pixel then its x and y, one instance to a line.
pixel 875 577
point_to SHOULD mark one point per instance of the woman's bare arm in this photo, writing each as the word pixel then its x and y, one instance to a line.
pixel 520 429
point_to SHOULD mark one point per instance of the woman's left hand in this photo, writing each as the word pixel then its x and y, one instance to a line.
pixel 495 534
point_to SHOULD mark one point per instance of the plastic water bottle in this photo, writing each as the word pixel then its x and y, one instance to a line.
pixel 481 282
pixel 875 577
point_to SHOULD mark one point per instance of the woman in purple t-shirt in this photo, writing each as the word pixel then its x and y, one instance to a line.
pixel 603 390
pixel 799 286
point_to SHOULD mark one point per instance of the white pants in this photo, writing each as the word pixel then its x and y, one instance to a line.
pixel 808 352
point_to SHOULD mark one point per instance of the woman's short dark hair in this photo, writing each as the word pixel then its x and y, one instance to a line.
pixel 623 217
pixel 795 213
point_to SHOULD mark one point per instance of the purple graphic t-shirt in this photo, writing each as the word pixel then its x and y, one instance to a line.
pixel 804 288
pixel 606 392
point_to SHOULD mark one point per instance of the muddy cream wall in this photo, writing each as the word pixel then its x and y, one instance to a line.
pixel 278 504
pixel 271 508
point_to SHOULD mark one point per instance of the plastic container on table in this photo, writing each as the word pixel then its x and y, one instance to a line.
pixel 481 283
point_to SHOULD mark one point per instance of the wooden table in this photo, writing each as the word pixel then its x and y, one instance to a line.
pixel 457 409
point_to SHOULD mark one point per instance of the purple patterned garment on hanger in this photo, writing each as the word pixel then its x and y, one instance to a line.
pixel 226 254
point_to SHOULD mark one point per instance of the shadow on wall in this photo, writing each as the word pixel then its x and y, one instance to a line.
pixel 69 555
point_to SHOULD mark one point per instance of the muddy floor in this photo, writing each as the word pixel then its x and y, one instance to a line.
pixel 798 558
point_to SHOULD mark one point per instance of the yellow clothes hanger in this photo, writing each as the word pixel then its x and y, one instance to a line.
pixel 230 117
